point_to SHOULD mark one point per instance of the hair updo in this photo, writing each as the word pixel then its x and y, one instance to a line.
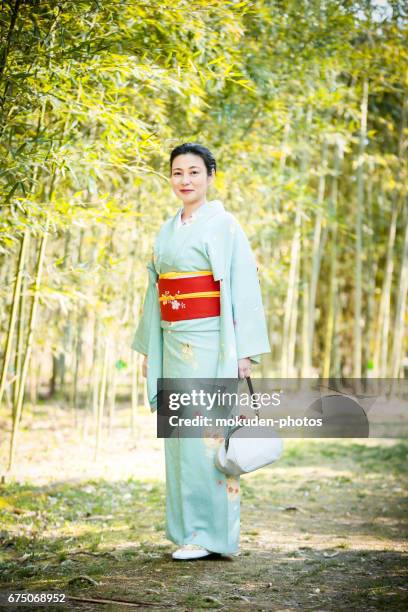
pixel 197 149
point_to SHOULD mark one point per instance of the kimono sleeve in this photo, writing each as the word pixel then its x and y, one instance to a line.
pixel 141 338
pixel 251 332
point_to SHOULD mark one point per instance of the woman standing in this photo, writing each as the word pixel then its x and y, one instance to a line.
pixel 203 318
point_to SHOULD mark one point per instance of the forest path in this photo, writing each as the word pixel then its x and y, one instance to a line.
pixel 323 529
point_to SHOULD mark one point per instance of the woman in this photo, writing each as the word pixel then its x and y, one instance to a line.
pixel 202 249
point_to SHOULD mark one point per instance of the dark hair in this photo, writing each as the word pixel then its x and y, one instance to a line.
pixel 193 147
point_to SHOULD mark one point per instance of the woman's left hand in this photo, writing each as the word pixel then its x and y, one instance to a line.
pixel 244 367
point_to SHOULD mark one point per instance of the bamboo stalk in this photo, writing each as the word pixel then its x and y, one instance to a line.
pixel 359 236
pixel 305 368
pixel 383 319
pixel 14 310
pixel 400 310
pixel 290 316
pixel 265 361
pixel 95 371
pixel 135 362
pixel 112 397
pixel 7 42
pixel 294 319
pixel 102 398
pixel 372 270
pixel 291 305
pixel 333 289
pixel 19 342
pixel 78 341
pixel 29 343
pixel 318 244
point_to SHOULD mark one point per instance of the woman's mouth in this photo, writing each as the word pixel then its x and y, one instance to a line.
pixel 186 190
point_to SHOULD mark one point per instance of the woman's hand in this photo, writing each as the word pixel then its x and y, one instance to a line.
pixel 144 366
pixel 244 367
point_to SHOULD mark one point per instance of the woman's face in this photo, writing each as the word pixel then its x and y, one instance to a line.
pixel 189 178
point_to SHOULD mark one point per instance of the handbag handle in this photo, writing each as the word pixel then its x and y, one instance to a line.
pixel 255 405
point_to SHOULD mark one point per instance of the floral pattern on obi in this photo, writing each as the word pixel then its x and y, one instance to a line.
pixel 172 299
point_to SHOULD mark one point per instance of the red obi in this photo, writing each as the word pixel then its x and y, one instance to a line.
pixel 192 297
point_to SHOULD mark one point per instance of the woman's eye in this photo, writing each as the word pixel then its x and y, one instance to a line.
pixel 179 173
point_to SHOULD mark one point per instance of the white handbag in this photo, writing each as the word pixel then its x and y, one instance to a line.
pixel 241 452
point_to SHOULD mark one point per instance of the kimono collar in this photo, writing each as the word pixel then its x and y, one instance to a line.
pixel 164 246
pixel 209 209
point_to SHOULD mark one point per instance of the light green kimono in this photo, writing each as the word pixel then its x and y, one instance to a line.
pixel 202 503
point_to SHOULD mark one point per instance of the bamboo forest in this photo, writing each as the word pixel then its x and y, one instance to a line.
pixel 304 104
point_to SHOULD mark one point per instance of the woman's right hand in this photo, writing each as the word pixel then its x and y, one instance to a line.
pixel 144 366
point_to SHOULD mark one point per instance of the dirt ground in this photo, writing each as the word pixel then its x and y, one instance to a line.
pixel 322 529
